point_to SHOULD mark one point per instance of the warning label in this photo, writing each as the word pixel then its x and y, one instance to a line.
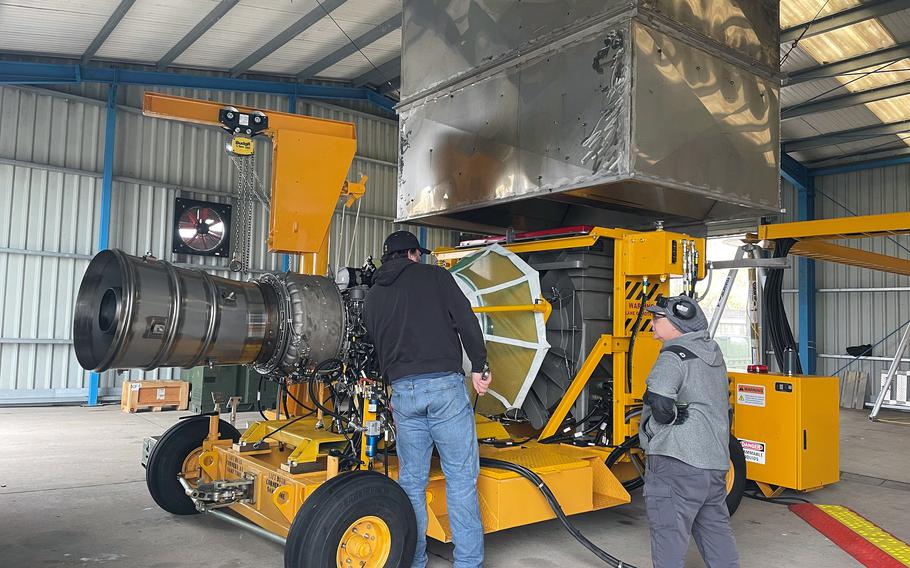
pixel 755 451
pixel 750 395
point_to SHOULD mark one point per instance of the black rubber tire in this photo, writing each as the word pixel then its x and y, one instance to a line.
pixel 738 457
pixel 324 517
pixel 166 461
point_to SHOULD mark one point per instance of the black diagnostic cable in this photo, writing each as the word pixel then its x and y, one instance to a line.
pixel 557 508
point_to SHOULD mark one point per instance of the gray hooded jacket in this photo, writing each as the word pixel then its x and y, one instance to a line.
pixel 691 369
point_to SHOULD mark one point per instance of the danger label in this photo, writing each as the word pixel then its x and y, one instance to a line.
pixel 750 395
pixel 754 451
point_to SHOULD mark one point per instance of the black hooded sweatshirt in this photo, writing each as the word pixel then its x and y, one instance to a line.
pixel 415 314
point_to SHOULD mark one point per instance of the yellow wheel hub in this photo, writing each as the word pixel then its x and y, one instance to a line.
pixel 191 470
pixel 731 476
pixel 366 544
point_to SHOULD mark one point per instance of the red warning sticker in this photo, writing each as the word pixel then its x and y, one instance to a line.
pixel 754 451
pixel 750 395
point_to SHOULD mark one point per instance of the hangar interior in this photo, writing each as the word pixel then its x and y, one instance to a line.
pixel 715 125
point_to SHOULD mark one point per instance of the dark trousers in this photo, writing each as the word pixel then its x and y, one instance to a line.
pixel 683 500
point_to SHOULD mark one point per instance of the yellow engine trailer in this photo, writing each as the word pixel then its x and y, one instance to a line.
pixel 285 475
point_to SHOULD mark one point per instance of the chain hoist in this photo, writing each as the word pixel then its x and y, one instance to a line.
pixel 243 127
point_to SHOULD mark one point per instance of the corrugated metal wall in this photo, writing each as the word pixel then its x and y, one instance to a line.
pixel 51 146
pixel 858 306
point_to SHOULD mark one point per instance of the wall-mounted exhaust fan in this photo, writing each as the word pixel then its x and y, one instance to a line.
pixel 201 227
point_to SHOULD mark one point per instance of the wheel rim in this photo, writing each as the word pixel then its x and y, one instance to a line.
pixel 191 471
pixel 731 477
pixel 365 544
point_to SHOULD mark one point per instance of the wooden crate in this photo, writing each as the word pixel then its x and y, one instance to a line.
pixel 154 395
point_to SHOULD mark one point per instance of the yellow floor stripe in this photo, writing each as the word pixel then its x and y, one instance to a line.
pixel 897 549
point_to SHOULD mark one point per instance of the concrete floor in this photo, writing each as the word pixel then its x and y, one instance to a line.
pixel 72 493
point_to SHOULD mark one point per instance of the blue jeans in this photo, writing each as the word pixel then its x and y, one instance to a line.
pixel 436 410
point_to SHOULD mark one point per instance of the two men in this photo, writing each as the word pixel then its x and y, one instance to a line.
pixel 684 431
pixel 419 319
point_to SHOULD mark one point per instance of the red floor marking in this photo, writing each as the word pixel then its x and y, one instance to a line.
pixel 852 543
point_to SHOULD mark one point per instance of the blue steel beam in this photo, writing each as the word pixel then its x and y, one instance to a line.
pixel 203 26
pixel 106 29
pixel 794 172
pixel 350 48
pixel 32 73
pixel 292 108
pixel 292 31
pixel 808 353
pixel 107 180
pixel 422 240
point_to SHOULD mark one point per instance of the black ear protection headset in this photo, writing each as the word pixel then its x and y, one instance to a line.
pixel 682 308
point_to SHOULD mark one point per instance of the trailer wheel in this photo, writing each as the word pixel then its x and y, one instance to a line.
pixel 361 519
pixel 736 475
pixel 175 453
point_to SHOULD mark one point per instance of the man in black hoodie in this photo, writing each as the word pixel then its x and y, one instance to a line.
pixel 418 320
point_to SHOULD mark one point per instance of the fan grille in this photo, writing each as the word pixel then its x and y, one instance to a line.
pixel 201 228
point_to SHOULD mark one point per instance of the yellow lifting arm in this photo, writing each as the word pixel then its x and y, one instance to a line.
pixel 812 237
pixel 310 162
pixel 840 228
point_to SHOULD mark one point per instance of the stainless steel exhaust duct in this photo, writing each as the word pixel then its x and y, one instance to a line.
pixel 143 313
pixel 551 113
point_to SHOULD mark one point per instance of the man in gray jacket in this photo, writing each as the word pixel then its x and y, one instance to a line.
pixel 684 431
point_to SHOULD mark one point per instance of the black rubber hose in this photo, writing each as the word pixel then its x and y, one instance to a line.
pixel 775 319
pixel 617 453
pixel 259 399
pixel 311 386
pixel 557 508
pixel 641 312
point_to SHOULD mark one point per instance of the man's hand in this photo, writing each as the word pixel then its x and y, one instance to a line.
pixel 682 413
pixel 481 382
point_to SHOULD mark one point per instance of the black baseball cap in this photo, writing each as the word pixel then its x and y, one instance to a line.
pixel 402 240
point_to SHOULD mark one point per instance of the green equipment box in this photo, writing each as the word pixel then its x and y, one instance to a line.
pixel 237 380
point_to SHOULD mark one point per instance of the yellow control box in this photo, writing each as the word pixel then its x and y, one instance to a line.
pixel 788 427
